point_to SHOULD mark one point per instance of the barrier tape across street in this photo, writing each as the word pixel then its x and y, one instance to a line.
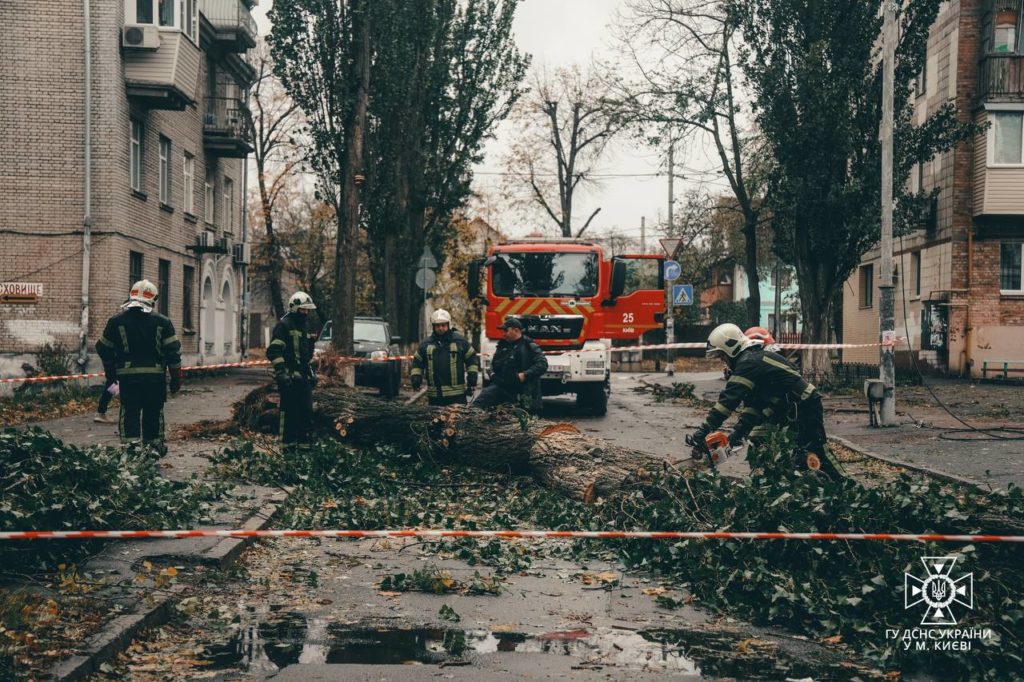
pixel 499 534
pixel 617 349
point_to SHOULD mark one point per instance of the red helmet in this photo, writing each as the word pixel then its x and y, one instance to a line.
pixel 760 334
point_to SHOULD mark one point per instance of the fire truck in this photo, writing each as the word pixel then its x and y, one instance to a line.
pixel 573 301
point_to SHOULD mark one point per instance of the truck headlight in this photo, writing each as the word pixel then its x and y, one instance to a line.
pixel 379 355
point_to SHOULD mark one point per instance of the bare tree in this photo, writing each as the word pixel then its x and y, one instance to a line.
pixel 272 121
pixel 685 82
pixel 566 123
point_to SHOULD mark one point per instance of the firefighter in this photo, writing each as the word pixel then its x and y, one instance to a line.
pixel 449 361
pixel 139 348
pixel 516 369
pixel 290 352
pixel 769 388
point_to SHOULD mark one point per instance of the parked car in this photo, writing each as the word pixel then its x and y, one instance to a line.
pixel 372 339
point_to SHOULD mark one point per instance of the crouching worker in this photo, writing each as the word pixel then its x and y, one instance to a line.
pixel 139 348
pixel 290 353
pixel 448 361
pixel 770 390
pixel 516 369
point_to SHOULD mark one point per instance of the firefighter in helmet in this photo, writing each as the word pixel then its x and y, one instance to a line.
pixel 448 361
pixel 290 353
pixel 769 388
pixel 139 348
pixel 761 334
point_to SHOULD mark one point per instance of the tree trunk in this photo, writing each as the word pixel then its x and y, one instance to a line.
pixel 274 260
pixel 750 265
pixel 557 455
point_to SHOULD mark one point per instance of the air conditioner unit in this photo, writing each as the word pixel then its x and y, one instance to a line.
pixel 140 37
pixel 243 254
pixel 206 239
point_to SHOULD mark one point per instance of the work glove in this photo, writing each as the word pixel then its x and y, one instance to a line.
pixel 176 379
pixel 696 441
pixel 416 382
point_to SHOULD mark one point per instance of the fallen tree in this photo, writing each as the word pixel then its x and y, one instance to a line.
pixel 507 440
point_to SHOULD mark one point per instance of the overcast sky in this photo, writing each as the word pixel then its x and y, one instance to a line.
pixel 562 33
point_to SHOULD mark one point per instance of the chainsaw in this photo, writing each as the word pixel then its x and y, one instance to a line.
pixel 715 449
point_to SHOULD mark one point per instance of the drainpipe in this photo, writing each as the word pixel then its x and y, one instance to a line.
pixel 968 361
pixel 83 334
pixel 244 327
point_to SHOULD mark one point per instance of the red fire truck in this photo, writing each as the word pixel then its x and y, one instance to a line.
pixel 570 298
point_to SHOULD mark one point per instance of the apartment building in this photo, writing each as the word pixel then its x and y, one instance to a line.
pixel 959 288
pixel 123 144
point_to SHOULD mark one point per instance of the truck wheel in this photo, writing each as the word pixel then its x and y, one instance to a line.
pixel 592 399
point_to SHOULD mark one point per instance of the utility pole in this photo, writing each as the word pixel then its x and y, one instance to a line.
pixel 777 327
pixel 643 234
pixel 887 315
pixel 670 321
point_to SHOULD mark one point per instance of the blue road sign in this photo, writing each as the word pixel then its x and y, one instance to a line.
pixel 682 294
pixel 672 270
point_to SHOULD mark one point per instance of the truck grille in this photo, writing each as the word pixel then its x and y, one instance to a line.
pixel 552 326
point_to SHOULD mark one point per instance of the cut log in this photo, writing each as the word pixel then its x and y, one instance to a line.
pixel 506 440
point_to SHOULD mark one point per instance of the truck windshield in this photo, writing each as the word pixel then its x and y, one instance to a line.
pixel 545 274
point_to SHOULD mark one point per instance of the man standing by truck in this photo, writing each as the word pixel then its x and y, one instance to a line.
pixel 516 369
pixel 449 362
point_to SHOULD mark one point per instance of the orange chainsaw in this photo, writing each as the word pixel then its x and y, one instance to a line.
pixel 715 448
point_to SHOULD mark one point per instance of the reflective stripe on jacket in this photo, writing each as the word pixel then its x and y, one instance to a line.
pixel 139 345
pixel 448 363
pixel 291 346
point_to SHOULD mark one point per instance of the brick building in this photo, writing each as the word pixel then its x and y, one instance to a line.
pixel 959 289
pixel 166 181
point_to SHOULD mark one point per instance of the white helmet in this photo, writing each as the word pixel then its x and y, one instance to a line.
pixel 726 341
pixel 300 300
pixel 440 316
pixel 143 296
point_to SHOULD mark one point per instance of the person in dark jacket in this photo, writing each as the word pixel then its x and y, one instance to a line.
pixel 770 390
pixel 290 353
pixel 516 369
pixel 139 348
pixel 449 362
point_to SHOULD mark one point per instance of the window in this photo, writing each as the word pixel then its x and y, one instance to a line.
pixel 143 11
pixel 190 19
pixel 187 284
pixel 229 204
pixel 135 156
pixel 188 166
pixel 209 199
pixel 867 286
pixel 134 267
pixel 1010 268
pixel 165 171
pixel 1005 32
pixel 921 81
pixel 164 286
pixel 1005 138
pixel 915 272
pixel 166 12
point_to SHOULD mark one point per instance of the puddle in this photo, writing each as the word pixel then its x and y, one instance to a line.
pixel 274 639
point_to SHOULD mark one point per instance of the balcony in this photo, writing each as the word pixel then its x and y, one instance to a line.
pixel 231 20
pixel 165 77
pixel 224 131
pixel 1001 78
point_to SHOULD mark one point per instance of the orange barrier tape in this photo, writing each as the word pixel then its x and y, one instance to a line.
pixel 501 534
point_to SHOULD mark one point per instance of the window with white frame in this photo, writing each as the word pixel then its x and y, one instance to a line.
pixel 135 156
pixel 1010 268
pixel 1006 138
pixel 209 199
pixel 229 204
pixel 179 14
pixel 189 21
pixel 165 170
pixel 188 172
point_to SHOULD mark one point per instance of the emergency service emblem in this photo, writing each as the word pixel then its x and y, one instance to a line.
pixel 938 591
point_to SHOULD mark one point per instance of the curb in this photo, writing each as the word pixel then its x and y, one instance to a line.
pixel 116 635
pixel 920 468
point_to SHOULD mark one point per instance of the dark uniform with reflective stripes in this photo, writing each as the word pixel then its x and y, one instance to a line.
pixel 450 364
pixel 771 390
pixel 139 347
pixel 290 352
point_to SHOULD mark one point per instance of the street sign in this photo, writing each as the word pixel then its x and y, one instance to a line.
pixel 20 293
pixel 427 260
pixel 670 246
pixel 672 270
pixel 19 299
pixel 682 294
pixel 425 278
